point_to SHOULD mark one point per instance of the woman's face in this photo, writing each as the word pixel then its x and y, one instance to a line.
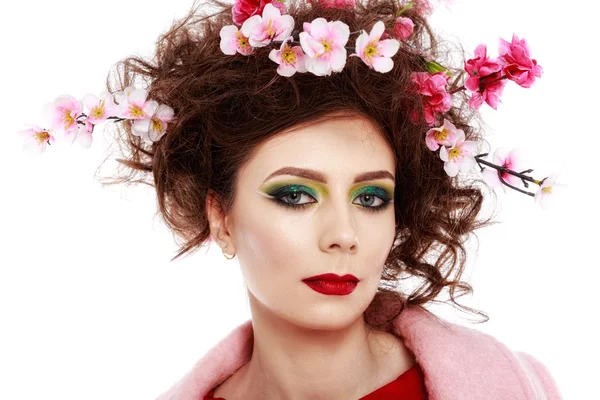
pixel 338 226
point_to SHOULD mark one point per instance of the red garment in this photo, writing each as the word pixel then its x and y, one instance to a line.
pixel 408 386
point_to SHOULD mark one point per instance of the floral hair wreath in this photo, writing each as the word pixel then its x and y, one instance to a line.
pixel 321 50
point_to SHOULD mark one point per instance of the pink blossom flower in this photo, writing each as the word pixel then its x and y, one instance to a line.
pixel 233 41
pixel 290 59
pixel 149 118
pixel 98 109
pixel 136 107
pixel 403 28
pixel 244 9
pixel 122 95
pixel 335 3
pixel 63 114
pixel 517 63
pixel 485 79
pixel 323 42
pixel 479 67
pixel 548 190
pixel 444 135
pixel 460 156
pixel 36 139
pixel 153 128
pixel 435 97
pixel 508 159
pixel 489 90
pixel 260 30
pixel 374 52
pixel 84 136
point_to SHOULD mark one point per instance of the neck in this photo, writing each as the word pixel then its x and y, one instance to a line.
pixel 292 362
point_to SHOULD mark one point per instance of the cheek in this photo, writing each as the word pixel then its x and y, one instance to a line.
pixel 269 247
pixel 377 244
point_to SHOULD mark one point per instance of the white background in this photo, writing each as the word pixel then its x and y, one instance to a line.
pixel 90 306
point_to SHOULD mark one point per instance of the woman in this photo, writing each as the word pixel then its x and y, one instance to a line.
pixel 310 158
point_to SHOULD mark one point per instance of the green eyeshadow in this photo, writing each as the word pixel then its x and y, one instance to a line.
pixel 317 190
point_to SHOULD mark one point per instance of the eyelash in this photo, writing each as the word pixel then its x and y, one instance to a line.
pixel 284 192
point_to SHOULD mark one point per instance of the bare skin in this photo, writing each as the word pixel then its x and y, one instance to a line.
pixel 390 358
pixel 308 345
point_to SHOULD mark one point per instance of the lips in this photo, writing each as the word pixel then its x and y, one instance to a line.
pixel 331 287
pixel 332 278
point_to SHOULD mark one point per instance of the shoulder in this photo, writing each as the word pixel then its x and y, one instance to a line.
pixel 451 354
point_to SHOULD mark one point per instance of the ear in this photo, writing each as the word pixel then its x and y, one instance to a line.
pixel 217 221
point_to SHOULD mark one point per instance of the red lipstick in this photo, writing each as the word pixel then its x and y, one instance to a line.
pixel 332 284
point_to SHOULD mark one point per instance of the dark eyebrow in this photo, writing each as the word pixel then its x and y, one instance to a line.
pixel 318 176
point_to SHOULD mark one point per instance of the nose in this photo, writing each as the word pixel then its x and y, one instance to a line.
pixel 338 227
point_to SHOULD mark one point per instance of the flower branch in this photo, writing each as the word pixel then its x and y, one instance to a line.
pixel 502 170
pixel 67 119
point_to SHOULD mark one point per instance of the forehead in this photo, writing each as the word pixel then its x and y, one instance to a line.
pixel 340 145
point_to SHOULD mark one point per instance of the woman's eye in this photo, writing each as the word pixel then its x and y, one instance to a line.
pixel 298 198
pixel 369 199
pixel 294 198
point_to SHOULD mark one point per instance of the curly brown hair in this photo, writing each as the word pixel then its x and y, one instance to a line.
pixel 227 106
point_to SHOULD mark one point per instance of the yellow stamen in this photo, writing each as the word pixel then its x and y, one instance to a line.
pixel 288 55
pixel 442 135
pixel 157 125
pixel 67 119
pixel 326 46
pixel 547 189
pixel 371 50
pixel 98 111
pixel 136 112
pixel 242 41
pixel 42 136
pixel 454 153
pixel 270 29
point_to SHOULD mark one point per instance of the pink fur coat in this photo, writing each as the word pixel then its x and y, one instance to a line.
pixel 458 363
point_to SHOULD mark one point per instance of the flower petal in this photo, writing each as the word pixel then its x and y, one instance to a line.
pixel 138 96
pixel 443 153
pixel 90 101
pixel 383 64
pixel 150 107
pixel 165 113
pixel 271 12
pixel 469 146
pixel 490 176
pixel 467 163
pixel 389 47
pixel 341 32
pixel 319 28
pixel 310 46
pixel 338 59
pixel 377 31
pixel 286 70
pixel 84 138
pixel 275 56
pixel 228 43
pixel 451 169
pixel 306 27
pixel 287 25
pixel 250 25
pixel 361 44
pixel 141 126
pixel 33 147
pixel 318 66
